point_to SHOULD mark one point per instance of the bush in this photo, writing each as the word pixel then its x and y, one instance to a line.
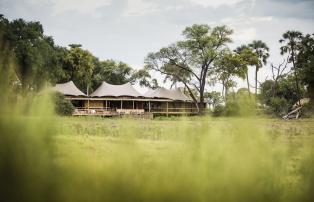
pixel 218 110
pixel 232 108
pixel 63 106
pixel 308 110
pixel 280 106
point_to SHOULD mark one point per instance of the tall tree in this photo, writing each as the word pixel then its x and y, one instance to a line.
pixel 80 66
pixel 305 64
pixel 249 58
pixel 189 61
pixel 228 66
pixel 144 79
pixel 113 72
pixel 291 45
pixel 33 52
pixel 262 51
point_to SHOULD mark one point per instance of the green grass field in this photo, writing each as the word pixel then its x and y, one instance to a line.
pixel 171 159
pixel 192 159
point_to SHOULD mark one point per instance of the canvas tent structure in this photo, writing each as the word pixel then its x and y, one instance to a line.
pixel 69 89
pixel 176 101
pixel 109 90
pixel 71 92
pixel 117 97
pixel 125 99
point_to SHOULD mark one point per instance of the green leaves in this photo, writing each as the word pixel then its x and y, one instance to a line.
pixel 190 61
pixel 80 64
pixel 262 51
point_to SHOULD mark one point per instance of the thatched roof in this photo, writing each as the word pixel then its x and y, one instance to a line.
pixel 68 88
pixel 167 94
pixel 108 90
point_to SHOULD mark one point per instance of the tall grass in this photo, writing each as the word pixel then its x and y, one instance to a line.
pixel 48 158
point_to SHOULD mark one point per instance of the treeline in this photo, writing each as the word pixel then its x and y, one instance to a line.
pixel 38 60
pixel 201 59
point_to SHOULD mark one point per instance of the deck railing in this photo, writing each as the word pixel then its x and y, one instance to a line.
pixel 111 111
pixel 174 110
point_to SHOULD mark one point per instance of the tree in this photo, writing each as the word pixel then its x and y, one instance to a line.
pixel 277 73
pixel 32 50
pixel 144 79
pixel 262 51
pixel 285 95
pixel 291 45
pixel 305 64
pixel 62 106
pixel 59 73
pixel 189 61
pixel 215 98
pixel 226 67
pixel 249 58
pixel 113 72
pixel 80 67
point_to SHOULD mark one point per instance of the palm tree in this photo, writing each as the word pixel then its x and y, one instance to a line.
pixel 262 51
pixel 249 58
pixel 291 41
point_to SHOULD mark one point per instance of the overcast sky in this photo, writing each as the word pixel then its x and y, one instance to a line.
pixel 127 30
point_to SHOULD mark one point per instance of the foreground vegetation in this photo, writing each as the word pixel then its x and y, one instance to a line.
pixel 172 159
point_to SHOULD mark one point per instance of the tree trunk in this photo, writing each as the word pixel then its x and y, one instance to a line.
pixel 256 70
pixel 193 97
pixel 248 83
pixel 223 89
pixel 311 96
pixel 226 93
pixel 296 80
pixel 296 77
pixel 274 88
pixel 201 104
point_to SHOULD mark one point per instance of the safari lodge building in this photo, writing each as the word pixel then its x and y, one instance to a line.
pixel 111 100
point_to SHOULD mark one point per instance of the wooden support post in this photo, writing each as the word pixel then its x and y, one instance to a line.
pixel 149 106
pixel 133 104
pixel 121 104
pixel 106 104
pixel 167 108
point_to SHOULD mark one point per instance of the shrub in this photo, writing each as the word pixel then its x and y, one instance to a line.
pixel 280 106
pixel 63 107
pixel 232 108
pixel 308 110
pixel 218 110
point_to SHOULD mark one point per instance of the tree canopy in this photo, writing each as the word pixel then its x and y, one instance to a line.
pixel 189 61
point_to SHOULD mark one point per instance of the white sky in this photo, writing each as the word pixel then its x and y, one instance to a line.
pixel 128 30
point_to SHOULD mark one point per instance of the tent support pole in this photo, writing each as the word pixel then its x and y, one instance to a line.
pixel 121 104
pixel 106 105
pixel 167 108
pixel 133 104
pixel 148 106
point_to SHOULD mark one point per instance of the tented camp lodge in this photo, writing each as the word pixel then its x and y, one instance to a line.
pixel 110 100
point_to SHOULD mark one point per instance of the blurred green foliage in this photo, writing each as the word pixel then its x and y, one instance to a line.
pixel 283 96
pixel 63 106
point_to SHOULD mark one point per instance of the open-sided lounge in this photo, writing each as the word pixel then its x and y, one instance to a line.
pixel 111 100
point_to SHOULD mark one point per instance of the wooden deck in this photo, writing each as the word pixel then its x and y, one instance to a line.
pixel 141 113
